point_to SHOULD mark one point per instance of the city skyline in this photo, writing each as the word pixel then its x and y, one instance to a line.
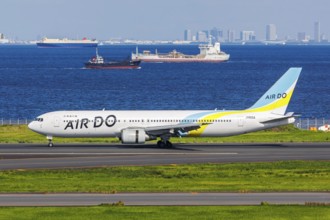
pixel 158 20
pixel 230 36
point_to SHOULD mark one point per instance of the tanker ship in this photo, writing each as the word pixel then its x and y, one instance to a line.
pixel 47 42
pixel 208 53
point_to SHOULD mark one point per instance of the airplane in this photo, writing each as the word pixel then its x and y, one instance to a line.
pixel 137 127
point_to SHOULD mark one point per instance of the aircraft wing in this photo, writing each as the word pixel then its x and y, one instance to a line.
pixel 173 130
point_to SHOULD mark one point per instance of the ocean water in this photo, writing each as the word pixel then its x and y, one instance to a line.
pixel 38 80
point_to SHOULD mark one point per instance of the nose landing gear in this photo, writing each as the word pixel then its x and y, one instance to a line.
pixel 50 141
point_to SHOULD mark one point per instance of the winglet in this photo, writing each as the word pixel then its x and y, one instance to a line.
pixel 277 98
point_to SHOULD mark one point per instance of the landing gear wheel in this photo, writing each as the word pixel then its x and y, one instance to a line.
pixel 50 141
pixel 164 144
pixel 168 144
pixel 161 144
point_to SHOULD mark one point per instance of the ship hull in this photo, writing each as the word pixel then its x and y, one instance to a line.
pixel 67 45
pixel 182 60
pixel 114 65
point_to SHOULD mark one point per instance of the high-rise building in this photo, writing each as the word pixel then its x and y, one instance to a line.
pixel 324 38
pixel 187 35
pixel 317 32
pixel 201 36
pixel 302 36
pixel 206 33
pixel 271 32
pixel 216 34
pixel 231 36
pixel 247 36
pixel 2 36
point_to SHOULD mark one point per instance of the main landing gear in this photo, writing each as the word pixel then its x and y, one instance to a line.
pixel 164 142
pixel 50 141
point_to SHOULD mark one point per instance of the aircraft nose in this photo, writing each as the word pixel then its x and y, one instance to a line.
pixel 32 125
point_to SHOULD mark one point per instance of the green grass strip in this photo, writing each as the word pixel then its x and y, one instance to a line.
pixel 272 212
pixel 232 177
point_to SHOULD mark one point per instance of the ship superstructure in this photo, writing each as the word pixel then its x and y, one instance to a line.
pixel 3 40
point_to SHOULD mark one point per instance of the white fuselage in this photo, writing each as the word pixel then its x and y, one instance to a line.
pixel 111 123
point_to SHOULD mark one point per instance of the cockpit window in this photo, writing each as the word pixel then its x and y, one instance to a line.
pixel 39 119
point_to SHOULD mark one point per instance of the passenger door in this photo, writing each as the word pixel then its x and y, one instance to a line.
pixel 57 121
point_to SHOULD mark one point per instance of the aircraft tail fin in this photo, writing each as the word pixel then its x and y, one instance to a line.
pixel 277 98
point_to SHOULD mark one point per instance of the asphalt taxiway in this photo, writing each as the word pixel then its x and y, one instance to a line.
pixel 154 199
pixel 39 156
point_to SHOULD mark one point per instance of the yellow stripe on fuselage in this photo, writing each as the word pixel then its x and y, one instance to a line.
pixel 216 116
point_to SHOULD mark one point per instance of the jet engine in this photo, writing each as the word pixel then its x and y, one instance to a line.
pixel 134 136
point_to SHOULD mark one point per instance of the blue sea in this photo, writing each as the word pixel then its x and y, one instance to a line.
pixel 38 80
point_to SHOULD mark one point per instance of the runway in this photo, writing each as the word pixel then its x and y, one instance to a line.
pixel 39 156
pixel 163 199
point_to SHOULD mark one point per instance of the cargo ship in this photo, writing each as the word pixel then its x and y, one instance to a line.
pixel 65 42
pixel 3 40
pixel 97 62
pixel 208 53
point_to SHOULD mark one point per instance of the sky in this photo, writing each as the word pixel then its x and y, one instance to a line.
pixel 157 19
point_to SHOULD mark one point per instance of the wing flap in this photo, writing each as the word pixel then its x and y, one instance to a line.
pixel 176 130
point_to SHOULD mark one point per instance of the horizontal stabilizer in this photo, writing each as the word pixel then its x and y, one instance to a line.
pixel 286 116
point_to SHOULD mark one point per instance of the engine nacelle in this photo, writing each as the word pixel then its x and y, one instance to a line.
pixel 133 136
